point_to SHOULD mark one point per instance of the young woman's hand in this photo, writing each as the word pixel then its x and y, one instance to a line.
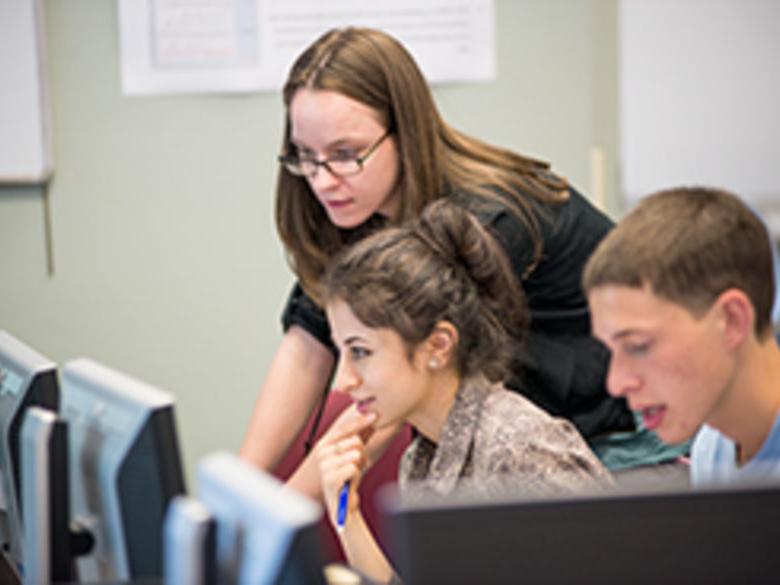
pixel 342 457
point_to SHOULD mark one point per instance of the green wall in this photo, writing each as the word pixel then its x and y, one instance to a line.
pixel 166 261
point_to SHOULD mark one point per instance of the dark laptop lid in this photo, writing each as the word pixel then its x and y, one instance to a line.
pixel 715 536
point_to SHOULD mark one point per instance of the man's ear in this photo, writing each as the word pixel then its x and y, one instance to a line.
pixel 736 316
pixel 441 344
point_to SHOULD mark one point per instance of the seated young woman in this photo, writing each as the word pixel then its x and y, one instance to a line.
pixel 424 317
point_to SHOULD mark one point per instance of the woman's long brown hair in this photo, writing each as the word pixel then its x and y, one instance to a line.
pixel 435 159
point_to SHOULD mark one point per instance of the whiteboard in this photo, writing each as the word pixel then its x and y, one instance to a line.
pixel 700 96
pixel 25 119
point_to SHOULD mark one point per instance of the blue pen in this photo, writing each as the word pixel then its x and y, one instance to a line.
pixel 341 514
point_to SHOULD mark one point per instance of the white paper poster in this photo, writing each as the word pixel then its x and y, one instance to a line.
pixel 199 46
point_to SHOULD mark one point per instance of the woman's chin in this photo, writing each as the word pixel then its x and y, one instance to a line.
pixel 383 422
pixel 344 220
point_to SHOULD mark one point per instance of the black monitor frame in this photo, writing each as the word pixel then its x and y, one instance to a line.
pixel 47 549
pixel 27 379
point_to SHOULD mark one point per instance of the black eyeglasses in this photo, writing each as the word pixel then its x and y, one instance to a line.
pixel 339 166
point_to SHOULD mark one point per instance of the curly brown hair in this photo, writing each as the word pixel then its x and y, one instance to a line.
pixel 444 266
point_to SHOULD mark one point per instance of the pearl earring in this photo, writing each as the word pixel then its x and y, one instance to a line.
pixel 433 364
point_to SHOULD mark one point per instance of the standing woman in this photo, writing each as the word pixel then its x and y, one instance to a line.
pixel 365 146
pixel 424 317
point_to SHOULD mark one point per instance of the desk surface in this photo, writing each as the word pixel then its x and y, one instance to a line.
pixel 334 574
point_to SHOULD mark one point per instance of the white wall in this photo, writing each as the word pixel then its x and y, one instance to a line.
pixel 700 96
pixel 167 264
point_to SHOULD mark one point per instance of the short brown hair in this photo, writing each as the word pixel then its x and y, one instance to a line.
pixel 444 266
pixel 373 68
pixel 689 244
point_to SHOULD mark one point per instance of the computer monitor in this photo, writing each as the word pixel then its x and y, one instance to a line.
pixel 265 533
pixel 27 379
pixel 124 468
pixel 676 538
pixel 47 537
pixel 189 543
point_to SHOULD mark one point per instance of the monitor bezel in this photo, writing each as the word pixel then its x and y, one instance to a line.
pixel 35 384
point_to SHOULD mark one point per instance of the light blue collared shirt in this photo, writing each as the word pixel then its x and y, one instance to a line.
pixel 714 458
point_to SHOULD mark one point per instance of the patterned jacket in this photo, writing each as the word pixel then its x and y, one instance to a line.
pixel 496 442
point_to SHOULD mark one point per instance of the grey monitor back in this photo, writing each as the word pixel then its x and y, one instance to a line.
pixel 124 467
pixel 265 533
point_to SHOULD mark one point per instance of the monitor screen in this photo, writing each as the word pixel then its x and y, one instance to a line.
pixel 26 379
pixel 265 533
pixel 124 466
pixel 676 537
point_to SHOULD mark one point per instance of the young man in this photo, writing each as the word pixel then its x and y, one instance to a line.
pixel 681 292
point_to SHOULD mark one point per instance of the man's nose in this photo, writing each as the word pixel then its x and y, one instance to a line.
pixel 620 380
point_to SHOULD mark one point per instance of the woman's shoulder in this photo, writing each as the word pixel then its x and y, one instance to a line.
pixel 301 310
pixel 514 417
pixel 521 445
pixel 512 423
pixel 485 208
pixel 574 214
